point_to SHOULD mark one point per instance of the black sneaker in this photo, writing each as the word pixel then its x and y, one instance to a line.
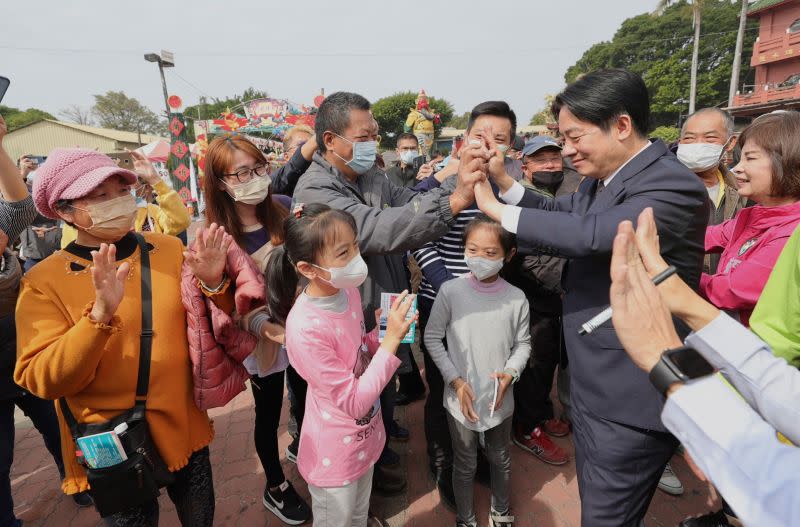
pixel 387 482
pixel 291 450
pixel 82 499
pixel 500 519
pixel 284 503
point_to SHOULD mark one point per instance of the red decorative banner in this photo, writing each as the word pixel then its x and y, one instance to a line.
pixel 178 163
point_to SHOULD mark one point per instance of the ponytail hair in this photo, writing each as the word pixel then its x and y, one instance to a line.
pixel 307 230
pixel 282 281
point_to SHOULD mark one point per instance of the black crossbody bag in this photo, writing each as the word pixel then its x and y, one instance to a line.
pixel 138 479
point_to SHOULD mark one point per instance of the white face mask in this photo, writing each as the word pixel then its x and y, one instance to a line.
pixel 408 156
pixel 253 192
pixel 699 157
pixel 351 275
pixel 483 268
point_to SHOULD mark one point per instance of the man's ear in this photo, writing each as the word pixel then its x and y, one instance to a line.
pixel 327 139
pixel 624 126
pixel 732 143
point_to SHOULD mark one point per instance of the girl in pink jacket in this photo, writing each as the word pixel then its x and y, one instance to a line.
pixel 750 243
pixel 346 368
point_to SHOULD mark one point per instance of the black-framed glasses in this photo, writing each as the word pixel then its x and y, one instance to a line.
pixel 243 175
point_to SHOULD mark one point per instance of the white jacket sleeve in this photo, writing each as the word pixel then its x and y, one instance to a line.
pixel 758 475
pixel 769 384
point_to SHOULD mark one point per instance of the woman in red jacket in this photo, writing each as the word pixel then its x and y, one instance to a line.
pixel 750 243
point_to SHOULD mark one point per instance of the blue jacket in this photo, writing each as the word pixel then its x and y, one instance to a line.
pixel 582 227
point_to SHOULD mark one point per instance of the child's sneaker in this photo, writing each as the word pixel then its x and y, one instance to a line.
pixel 498 519
pixel 286 504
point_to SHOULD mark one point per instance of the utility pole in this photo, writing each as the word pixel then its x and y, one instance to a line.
pixel 737 55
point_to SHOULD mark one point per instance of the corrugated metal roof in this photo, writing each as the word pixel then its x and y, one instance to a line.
pixel 760 5
pixel 116 135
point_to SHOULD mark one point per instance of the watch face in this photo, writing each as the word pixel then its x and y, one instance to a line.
pixel 689 362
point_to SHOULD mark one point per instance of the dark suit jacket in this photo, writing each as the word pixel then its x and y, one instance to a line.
pixel 582 228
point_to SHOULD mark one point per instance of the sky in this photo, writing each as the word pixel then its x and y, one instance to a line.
pixel 59 53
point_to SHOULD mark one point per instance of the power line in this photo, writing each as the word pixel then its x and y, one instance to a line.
pixel 295 54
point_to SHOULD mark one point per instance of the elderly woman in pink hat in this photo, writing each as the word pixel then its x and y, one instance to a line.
pixel 82 323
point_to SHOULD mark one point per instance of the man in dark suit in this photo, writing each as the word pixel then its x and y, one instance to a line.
pixel 621 446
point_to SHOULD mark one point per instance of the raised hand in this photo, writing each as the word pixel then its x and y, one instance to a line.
pixel 144 168
pixel 425 171
pixel 487 201
pixel 207 257
pixel 496 163
pixel 505 381
pixel 396 323
pixel 108 282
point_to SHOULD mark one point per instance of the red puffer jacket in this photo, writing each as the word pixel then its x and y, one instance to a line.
pixel 217 345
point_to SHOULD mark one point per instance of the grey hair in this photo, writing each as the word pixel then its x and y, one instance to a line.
pixel 334 114
pixel 727 119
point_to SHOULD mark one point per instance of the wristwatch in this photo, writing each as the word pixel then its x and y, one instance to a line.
pixel 682 364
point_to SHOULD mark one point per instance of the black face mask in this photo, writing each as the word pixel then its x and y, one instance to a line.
pixel 550 181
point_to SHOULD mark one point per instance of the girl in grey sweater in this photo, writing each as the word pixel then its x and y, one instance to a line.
pixel 485 321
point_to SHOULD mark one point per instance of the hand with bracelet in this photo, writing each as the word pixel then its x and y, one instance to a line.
pixel 208 256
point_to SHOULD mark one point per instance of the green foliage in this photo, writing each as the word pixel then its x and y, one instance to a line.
pixel 459 122
pixel 16 118
pixel 668 134
pixel 117 111
pixel 391 113
pixel 544 115
pixel 659 47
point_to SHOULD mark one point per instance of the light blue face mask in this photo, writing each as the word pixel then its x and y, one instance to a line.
pixel 364 154
pixel 408 156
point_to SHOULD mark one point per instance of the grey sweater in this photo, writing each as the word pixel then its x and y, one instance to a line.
pixel 487 330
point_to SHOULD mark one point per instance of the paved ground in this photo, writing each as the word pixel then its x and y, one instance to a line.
pixel 543 495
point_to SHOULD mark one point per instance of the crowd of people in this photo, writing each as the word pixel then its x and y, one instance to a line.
pixel 508 246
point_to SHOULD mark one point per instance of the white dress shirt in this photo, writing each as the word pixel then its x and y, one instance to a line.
pixel 732 436
pixel 510 217
pixel 738 451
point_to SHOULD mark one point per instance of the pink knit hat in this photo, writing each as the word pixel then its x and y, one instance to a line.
pixel 72 173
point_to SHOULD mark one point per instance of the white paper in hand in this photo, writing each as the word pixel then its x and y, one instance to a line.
pixel 494 398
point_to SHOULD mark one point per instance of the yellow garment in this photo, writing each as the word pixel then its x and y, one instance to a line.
pixel 418 123
pixel 61 352
pixel 722 186
pixel 170 216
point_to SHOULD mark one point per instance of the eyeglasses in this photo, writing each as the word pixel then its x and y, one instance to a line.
pixel 243 175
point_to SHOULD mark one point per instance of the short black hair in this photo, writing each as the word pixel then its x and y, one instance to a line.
pixel 507 239
pixel 602 96
pixel 334 114
pixel 407 135
pixel 497 109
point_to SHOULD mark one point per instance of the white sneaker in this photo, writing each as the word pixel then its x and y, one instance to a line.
pixel 669 482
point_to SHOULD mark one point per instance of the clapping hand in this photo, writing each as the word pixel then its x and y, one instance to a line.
pixel 208 255
pixel 108 281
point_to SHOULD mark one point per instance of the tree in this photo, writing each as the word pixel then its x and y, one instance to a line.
pixel 117 111
pixel 459 122
pixel 697 13
pixel 15 118
pixel 668 134
pixel 544 115
pixel 391 113
pixel 659 47
pixel 77 114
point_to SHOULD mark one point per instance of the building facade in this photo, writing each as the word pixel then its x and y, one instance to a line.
pixel 776 59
